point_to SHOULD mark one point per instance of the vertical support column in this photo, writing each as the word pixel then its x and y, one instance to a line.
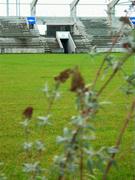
pixel 73 10
pixel 33 7
pixel 111 13
pixel 111 10
pixel 33 11
pixel 73 13
pixel 17 7
pixel 7 7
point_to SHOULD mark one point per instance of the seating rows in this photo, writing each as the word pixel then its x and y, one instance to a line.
pixel 12 42
pixel 99 29
pixel 16 27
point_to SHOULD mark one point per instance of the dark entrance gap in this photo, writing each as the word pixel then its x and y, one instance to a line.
pixel 65 45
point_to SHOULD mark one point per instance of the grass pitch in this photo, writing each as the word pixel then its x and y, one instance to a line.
pixel 22 78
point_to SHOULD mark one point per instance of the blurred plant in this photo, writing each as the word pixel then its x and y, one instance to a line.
pixel 79 154
pixel 79 158
pixel 31 167
pixel 34 149
pixel 2 175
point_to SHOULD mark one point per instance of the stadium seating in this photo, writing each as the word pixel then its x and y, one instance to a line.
pixel 16 37
pixel 99 30
pixel 16 27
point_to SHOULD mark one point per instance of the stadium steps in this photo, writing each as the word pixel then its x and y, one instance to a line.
pixel 82 44
pixel 45 45
pixel 99 30
pixel 104 41
pixel 14 43
pixel 52 44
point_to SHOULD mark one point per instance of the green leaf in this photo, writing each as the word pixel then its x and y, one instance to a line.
pixel 90 165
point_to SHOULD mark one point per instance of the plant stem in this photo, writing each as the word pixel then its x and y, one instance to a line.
pixel 121 62
pixel 119 139
pixel 62 177
pixel 107 54
pixel 51 102
pixel 81 164
pixel 98 73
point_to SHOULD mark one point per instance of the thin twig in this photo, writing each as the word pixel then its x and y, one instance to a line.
pixel 121 62
pixel 51 102
pixel 98 73
pixel 81 164
pixel 107 54
pixel 62 177
pixel 119 139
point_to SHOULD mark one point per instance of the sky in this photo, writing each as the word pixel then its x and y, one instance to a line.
pixel 94 8
pixel 61 8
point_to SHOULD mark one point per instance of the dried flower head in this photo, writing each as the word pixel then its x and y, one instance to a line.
pixel 28 112
pixel 125 20
pixel 63 76
pixel 77 81
pixel 126 45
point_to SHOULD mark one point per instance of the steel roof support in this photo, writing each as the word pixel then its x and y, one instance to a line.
pixel 17 7
pixel 7 7
pixel 33 7
pixel 73 9
pixel 111 7
pixel 111 11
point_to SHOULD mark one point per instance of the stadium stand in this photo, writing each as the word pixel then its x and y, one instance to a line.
pixel 99 30
pixel 16 27
pixel 17 37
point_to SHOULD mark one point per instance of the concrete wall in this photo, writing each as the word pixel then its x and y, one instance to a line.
pixel 21 50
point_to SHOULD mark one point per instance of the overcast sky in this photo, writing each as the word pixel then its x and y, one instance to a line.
pixel 95 8
pixel 46 8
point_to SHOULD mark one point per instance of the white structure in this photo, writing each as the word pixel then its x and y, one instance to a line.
pixel 66 42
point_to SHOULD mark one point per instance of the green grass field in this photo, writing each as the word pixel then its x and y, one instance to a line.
pixel 22 78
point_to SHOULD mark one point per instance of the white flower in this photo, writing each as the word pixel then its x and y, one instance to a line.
pixel 25 123
pixel 39 146
pixel 59 159
pixel 27 146
pixel 46 90
pixel 43 120
pixel 29 167
pixel 57 95
pixel 61 139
